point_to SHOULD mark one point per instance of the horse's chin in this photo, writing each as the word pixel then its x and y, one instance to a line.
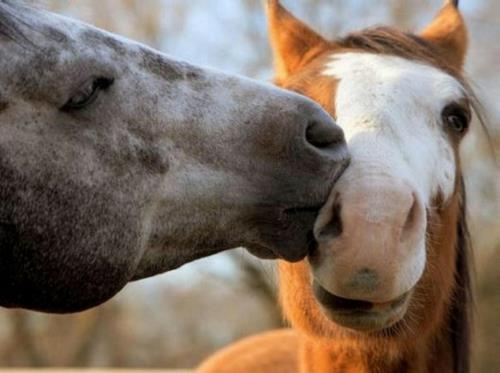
pixel 298 248
pixel 284 234
pixel 362 316
pixel 46 286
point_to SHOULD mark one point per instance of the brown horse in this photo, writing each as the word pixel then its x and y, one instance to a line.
pixel 387 289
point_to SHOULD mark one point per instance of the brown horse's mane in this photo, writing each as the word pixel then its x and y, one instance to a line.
pixel 391 41
pixel 461 310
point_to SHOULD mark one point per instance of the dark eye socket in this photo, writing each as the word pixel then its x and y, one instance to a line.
pixel 87 93
pixel 456 117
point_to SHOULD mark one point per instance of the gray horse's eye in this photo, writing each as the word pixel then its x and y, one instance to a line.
pixel 87 93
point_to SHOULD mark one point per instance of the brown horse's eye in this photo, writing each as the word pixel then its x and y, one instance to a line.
pixel 87 93
pixel 456 118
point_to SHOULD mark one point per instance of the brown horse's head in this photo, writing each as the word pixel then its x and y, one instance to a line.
pixel 391 237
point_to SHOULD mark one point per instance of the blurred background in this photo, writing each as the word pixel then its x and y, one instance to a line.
pixel 177 319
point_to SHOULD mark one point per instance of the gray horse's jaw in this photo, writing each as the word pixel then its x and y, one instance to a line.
pixel 156 264
pixel 8 237
pixel 7 234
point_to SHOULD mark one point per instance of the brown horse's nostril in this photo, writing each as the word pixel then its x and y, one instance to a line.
pixel 334 227
pixel 411 218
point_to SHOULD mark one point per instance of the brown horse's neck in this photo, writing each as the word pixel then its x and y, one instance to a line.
pixel 433 353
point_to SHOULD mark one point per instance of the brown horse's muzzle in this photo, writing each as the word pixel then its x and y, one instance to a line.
pixel 370 254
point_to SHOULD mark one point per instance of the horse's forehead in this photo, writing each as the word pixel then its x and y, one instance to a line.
pixel 402 99
pixel 42 30
pixel 392 79
pixel 54 50
pixel 56 42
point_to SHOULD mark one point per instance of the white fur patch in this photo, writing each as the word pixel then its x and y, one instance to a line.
pixel 390 109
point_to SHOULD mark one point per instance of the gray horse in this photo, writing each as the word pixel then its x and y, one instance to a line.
pixel 118 162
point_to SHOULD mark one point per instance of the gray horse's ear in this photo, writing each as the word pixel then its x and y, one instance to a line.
pixel 448 32
pixel 292 41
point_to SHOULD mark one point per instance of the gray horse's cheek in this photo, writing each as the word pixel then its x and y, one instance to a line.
pixel 66 245
pixel 68 267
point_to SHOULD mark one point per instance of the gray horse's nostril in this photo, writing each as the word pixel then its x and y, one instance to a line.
pixel 323 133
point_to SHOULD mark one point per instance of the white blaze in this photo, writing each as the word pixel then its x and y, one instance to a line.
pixel 390 109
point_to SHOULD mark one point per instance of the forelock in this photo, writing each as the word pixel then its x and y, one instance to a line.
pixel 390 41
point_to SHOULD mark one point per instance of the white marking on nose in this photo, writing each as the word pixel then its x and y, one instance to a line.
pixel 390 110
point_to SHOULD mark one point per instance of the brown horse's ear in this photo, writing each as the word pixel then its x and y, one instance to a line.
pixel 292 41
pixel 449 33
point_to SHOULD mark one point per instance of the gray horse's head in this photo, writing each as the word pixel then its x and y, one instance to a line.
pixel 118 163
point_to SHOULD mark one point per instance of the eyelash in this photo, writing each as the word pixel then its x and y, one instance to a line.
pixel 87 93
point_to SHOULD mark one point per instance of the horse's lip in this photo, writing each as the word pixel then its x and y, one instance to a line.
pixel 262 252
pixel 292 256
pixel 360 315
pixel 340 170
pixel 315 206
pixel 303 209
